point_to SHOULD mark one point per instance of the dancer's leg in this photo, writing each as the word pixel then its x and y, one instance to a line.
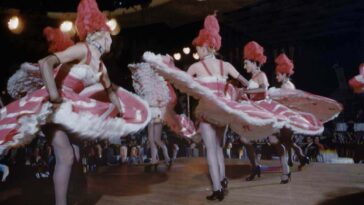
pixel 283 158
pixel 157 138
pixel 64 159
pixel 209 137
pixel 175 151
pixel 286 137
pixel 303 159
pixel 281 151
pixel 289 144
pixel 298 151
pixel 255 168
pixel 76 151
pixel 250 151
pixel 153 146
pixel 220 135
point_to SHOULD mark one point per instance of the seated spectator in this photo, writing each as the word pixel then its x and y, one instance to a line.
pixel 318 143
pixel 48 155
pixel 5 172
pixel 141 154
pixel 4 169
pixel 99 154
pixel 91 158
pixel 110 155
pixel 134 156
pixel 311 150
pixel 228 150
pixel 175 151
pixel 41 167
pixel 123 153
pixel 241 154
pixel 189 143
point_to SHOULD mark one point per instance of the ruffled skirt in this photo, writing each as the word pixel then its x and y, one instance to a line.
pixel 88 114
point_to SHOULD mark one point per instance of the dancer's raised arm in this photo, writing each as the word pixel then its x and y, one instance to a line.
pixel 47 64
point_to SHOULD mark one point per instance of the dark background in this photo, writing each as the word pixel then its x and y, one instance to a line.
pixel 324 38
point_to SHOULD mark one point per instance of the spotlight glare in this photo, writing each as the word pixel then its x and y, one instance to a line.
pixel 177 56
pixel 66 26
pixel 112 23
pixel 13 23
pixel 114 26
pixel 186 50
pixel 195 56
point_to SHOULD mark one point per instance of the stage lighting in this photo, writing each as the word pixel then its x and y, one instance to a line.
pixel 66 26
pixel 186 50
pixel 177 56
pixel 112 23
pixel 15 24
pixel 114 26
pixel 195 56
pixel 131 3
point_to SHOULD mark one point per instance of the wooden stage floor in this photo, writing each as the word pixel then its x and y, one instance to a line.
pixel 188 183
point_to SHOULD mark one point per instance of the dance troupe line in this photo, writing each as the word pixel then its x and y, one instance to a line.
pixel 68 95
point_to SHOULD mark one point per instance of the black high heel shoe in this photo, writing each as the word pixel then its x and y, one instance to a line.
pixel 254 172
pixel 219 195
pixel 224 183
pixel 285 181
pixel 303 162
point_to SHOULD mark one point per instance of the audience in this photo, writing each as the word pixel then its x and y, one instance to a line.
pixel 342 140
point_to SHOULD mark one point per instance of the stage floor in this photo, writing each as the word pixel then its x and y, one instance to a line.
pixel 188 183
